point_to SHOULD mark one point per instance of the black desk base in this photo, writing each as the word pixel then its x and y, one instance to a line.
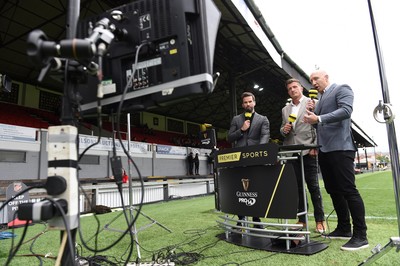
pixel 273 245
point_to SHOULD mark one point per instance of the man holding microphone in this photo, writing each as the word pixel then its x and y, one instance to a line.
pixel 296 132
pixel 247 129
pixel 332 118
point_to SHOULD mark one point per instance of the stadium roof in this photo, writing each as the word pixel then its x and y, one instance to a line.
pixel 246 54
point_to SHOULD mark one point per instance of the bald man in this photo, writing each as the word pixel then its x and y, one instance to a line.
pixel 332 118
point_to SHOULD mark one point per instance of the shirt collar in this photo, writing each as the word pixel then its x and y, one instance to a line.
pixel 301 99
pixel 327 88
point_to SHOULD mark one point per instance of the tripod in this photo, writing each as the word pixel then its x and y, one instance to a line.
pixel 134 230
pixel 131 208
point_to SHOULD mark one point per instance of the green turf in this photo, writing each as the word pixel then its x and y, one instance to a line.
pixel 193 238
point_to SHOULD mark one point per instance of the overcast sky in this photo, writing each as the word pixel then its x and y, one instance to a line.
pixel 336 35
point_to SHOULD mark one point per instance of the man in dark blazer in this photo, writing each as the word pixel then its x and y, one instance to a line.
pixel 249 128
pixel 332 117
pixel 298 132
pixel 247 131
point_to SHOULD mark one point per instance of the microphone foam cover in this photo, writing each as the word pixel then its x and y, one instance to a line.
pixel 292 118
pixel 313 93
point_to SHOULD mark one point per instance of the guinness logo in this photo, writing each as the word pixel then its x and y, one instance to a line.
pixel 245 183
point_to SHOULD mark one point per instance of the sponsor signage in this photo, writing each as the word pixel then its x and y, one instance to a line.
pixel 171 150
pixel 107 144
pixel 249 155
pixel 18 133
pixel 258 191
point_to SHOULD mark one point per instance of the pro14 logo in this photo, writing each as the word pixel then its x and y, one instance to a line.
pixel 247 201
pixel 248 198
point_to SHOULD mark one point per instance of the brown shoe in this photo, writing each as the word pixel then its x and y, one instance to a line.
pixel 303 224
pixel 320 227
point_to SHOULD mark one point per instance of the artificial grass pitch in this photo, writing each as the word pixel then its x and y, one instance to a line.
pixel 193 240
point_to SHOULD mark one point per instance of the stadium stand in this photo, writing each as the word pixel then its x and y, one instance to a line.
pixel 18 115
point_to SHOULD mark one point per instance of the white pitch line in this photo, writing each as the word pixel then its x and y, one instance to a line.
pixel 366 217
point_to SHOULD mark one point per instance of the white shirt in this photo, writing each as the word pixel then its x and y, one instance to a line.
pixel 295 108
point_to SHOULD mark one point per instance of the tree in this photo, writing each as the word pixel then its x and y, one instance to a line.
pixel 383 159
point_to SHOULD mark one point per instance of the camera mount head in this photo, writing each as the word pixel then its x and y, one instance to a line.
pixel 42 52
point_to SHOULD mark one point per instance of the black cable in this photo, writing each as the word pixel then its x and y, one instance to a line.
pixel 116 163
pixel 130 81
pixel 129 226
pixel 97 260
pixel 33 253
pixel 327 225
pixel 175 253
pixel 99 126
pixel 99 121
pixel 38 235
pixel 67 230
pixel 33 239
pixel 136 167
pixel 12 253
pixel 18 194
pixel 63 215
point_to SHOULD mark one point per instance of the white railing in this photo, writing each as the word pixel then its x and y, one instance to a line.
pixel 154 191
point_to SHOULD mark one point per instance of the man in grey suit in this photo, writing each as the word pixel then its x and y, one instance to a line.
pixel 298 132
pixel 332 117
pixel 249 128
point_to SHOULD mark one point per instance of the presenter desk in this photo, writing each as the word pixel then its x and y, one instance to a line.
pixel 257 181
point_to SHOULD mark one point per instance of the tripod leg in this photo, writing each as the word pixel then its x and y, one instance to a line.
pixel 379 252
pixel 115 218
pixel 154 221
pixel 136 241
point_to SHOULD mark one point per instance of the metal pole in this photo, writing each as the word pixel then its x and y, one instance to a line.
pixel 130 192
pixel 389 117
pixel 390 123
pixel 67 117
pixel 128 117
pixel 375 166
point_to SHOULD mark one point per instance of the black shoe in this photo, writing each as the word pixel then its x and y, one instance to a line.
pixel 259 226
pixel 237 230
pixel 338 234
pixel 355 243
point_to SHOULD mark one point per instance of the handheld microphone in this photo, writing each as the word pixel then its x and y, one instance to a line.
pixel 292 118
pixel 203 127
pixel 247 115
pixel 313 93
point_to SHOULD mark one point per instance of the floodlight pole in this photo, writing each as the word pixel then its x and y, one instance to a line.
pixel 394 157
